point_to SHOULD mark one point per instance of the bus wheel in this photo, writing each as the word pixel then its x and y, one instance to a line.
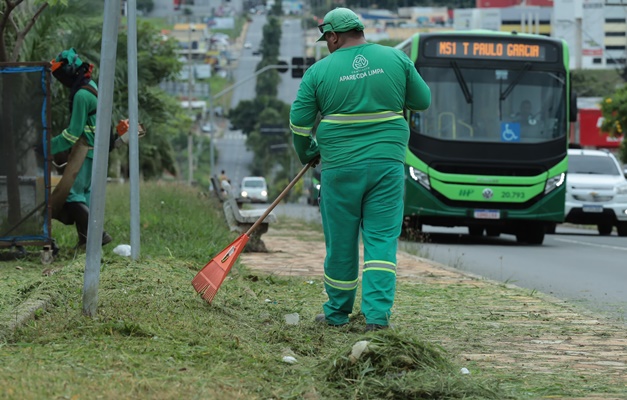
pixel 531 234
pixel 605 229
pixel 621 227
pixel 492 232
pixel 475 230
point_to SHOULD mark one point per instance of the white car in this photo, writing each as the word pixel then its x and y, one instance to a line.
pixel 248 45
pixel 596 191
pixel 254 189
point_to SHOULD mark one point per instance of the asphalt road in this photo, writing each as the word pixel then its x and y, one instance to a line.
pixel 233 157
pixel 574 264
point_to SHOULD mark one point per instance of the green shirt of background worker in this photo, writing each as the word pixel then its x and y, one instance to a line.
pixel 75 74
pixel 361 91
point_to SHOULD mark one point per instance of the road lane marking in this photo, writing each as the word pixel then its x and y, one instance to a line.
pixel 605 246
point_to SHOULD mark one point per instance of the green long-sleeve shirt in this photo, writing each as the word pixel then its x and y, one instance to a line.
pixel 81 123
pixel 361 93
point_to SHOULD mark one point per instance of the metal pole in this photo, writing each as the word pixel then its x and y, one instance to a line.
pixel 133 118
pixel 101 156
pixel 241 82
pixel 212 133
pixel 190 139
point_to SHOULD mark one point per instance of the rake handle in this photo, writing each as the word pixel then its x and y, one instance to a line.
pixel 281 196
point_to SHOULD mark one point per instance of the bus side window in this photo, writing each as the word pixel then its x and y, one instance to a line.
pixel 415 122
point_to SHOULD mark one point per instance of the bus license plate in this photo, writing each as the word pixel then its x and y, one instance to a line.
pixel 592 208
pixel 487 214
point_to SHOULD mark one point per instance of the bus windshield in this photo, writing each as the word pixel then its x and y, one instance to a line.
pixel 503 105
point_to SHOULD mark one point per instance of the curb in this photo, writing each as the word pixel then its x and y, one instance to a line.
pixel 21 314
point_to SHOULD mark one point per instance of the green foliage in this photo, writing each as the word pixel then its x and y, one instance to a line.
pixel 59 28
pixel 267 82
pixel 260 143
pixel 271 39
pixel 595 83
pixel 614 110
pixel 145 5
pixel 277 9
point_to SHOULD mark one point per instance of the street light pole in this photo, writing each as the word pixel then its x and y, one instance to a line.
pixel 212 133
pixel 190 138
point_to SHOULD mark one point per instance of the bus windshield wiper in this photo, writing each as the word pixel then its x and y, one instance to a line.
pixel 462 82
pixel 512 85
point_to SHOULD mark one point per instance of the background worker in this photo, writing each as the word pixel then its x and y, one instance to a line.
pixel 78 138
pixel 360 90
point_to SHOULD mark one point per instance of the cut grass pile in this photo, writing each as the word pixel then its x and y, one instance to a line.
pixel 154 338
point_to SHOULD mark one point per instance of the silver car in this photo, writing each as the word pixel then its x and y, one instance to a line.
pixel 254 189
pixel 596 191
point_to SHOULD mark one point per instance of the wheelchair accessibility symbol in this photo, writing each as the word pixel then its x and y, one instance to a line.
pixel 510 132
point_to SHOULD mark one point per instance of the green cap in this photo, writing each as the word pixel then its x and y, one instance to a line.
pixel 340 20
pixel 71 57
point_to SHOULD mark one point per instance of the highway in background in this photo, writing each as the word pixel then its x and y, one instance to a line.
pixel 577 265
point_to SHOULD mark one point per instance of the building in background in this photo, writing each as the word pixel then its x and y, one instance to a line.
pixel 594 30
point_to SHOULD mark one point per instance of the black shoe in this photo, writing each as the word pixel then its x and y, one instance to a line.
pixel 321 318
pixel 375 327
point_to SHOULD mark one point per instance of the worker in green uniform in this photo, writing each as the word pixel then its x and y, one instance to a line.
pixel 77 138
pixel 361 91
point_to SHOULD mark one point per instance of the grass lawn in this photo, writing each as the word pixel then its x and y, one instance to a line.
pixel 154 338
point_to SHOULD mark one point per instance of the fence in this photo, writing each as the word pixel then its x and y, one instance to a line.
pixel 24 175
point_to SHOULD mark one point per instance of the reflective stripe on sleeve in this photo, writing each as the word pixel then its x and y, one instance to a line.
pixel 378 265
pixel 68 136
pixel 341 285
pixel 300 130
pixel 357 118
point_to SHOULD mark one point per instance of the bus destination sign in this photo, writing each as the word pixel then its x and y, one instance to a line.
pixel 487 49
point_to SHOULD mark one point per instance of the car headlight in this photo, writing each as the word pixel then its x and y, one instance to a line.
pixel 622 189
pixel 554 182
pixel 244 193
pixel 264 193
pixel 420 177
pixel 318 187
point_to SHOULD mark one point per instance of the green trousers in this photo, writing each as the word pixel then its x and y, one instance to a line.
pixel 364 198
pixel 81 189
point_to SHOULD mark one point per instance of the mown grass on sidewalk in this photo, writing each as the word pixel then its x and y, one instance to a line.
pixel 154 338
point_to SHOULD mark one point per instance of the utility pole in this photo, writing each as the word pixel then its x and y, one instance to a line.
pixel 190 138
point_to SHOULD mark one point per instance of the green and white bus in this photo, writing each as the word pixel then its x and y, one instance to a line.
pixel 490 153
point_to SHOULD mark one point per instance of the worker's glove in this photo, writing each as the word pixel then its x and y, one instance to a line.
pixel 315 161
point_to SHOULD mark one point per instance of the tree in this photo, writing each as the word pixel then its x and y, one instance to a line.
pixel 614 110
pixel 161 114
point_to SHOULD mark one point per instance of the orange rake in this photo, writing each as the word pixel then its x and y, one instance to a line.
pixel 208 280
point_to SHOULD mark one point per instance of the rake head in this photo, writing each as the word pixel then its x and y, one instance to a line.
pixel 208 280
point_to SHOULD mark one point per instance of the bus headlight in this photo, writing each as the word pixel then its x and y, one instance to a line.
pixel 420 177
pixel 554 182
